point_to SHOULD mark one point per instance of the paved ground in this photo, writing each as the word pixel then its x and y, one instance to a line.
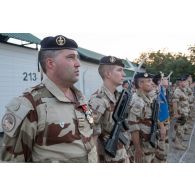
pixel 187 156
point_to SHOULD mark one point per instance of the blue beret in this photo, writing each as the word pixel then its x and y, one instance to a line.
pixel 143 75
pixel 111 60
pixel 58 42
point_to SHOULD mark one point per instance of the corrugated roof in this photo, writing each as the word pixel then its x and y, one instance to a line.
pixel 28 37
pixel 85 54
pixel 88 55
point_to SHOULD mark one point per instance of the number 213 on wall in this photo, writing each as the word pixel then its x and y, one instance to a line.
pixel 29 76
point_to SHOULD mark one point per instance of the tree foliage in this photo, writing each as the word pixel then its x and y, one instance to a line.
pixel 166 62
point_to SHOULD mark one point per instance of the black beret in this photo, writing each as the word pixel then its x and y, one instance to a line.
pixel 125 81
pixel 157 77
pixel 111 60
pixel 143 75
pixel 182 78
pixel 58 42
pixel 187 75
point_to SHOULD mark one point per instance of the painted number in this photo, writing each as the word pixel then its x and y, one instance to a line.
pixel 29 76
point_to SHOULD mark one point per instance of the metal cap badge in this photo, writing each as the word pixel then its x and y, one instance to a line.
pixel 60 40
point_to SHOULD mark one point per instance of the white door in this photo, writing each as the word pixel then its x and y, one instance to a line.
pixel 18 71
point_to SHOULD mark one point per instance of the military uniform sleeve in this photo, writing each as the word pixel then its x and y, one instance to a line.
pixel 135 113
pixel 98 108
pixel 176 96
pixel 15 124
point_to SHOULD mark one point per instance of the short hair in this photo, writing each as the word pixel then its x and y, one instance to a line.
pixel 104 68
pixel 44 54
pixel 137 82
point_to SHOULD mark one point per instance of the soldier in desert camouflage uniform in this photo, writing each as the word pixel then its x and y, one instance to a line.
pixel 51 122
pixel 189 93
pixel 139 119
pixel 180 112
pixel 102 104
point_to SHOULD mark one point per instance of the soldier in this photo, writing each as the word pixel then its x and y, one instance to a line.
pixel 51 122
pixel 125 84
pixel 180 112
pixel 163 118
pixel 189 93
pixel 139 118
pixel 102 104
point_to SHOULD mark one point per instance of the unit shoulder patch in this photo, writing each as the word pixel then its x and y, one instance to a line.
pixel 8 122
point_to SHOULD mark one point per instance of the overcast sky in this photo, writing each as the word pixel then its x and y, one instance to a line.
pixel 122 28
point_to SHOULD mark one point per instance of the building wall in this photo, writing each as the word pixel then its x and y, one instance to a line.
pixel 89 80
pixel 18 72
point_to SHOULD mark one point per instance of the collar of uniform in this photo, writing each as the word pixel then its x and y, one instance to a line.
pixel 144 97
pixel 79 96
pixel 109 94
pixel 55 90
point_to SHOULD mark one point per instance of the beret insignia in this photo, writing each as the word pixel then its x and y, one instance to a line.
pixel 146 75
pixel 60 40
pixel 112 59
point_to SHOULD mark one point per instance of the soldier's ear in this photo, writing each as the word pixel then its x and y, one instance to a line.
pixel 107 74
pixel 50 63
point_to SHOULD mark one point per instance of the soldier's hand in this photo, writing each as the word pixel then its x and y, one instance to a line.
pixel 163 132
pixel 139 155
pixel 176 115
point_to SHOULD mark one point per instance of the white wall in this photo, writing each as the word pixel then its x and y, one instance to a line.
pixel 18 71
pixel 89 80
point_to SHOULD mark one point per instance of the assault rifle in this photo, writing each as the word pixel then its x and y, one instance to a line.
pixel 168 91
pixel 155 115
pixel 119 116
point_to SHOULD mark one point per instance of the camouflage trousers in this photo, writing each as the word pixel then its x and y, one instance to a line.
pixel 162 149
pixel 121 154
pixel 189 123
pixel 179 132
pixel 148 150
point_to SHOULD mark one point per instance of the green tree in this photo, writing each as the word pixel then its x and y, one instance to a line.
pixel 166 62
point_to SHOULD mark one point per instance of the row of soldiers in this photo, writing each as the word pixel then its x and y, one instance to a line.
pixel 52 122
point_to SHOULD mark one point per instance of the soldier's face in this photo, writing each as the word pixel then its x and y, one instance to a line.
pixel 117 75
pixel 183 84
pixel 147 85
pixel 66 66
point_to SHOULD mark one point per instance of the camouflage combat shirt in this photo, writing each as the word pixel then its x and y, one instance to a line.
pixel 102 104
pixel 182 100
pixel 45 126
